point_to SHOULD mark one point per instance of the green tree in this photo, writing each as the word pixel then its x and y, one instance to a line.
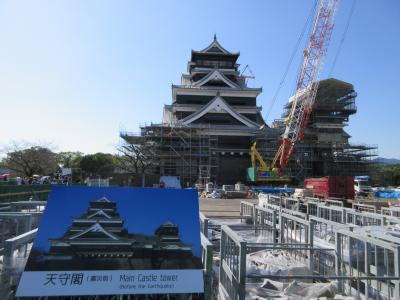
pixel 69 159
pixel 27 160
pixel 99 164
pixel 385 175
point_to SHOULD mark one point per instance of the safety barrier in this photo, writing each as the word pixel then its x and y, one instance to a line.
pixel 207 259
pixel 329 249
pixel 9 277
pixel 391 211
pixel 333 202
pixel 16 223
pixel 358 278
pixel 371 266
pixel 364 218
pixel 234 248
pixel 335 242
pixel 361 207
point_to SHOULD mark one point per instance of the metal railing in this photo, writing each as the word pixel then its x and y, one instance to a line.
pixel 16 223
pixel 344 215
pixel 9 276
pixel 364 218
pixel 370 265
pixel 265 216
pixel 207 259
pixel 365 266
pixel 331 213
pixel 391 211
pixel 235 250
pixel 364 207
pixel 333 202
pixel 365 263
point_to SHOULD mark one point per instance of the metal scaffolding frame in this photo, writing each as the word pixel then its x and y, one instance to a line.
pixel 187 152
pixel 366 266
pixel 325 148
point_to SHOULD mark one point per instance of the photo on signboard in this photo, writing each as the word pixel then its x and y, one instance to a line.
pixel 110 229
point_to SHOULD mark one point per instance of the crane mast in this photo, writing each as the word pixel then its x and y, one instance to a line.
pixel 307 83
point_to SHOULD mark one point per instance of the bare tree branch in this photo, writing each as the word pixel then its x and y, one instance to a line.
pixel 137 158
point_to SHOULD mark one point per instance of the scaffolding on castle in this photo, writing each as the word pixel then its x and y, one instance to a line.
pixel 325 149
pixel 187 152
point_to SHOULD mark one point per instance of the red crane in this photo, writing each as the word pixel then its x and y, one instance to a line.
pixel 307 82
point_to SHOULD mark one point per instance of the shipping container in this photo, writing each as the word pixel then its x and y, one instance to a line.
pixel 331 186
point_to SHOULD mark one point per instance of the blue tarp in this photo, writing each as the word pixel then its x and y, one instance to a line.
pixel 274 190
pixel 387 194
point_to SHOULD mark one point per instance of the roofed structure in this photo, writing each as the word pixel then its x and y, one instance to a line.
pixel 210 122
pixel 213 118
pixel 98 239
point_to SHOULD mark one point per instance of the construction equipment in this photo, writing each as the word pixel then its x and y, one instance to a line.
pixel 306 90
pixel 244 77
pixel 307 83
pixel 260 171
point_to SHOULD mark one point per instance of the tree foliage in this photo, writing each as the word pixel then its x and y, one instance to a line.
pixel 385 175
pixel 99 164
pixel 69 159
pixel 27 160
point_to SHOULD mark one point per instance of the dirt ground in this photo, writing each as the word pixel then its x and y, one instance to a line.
pixel 222 207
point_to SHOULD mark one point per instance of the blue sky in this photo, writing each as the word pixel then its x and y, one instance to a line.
pixel 66 203
pixel 75 72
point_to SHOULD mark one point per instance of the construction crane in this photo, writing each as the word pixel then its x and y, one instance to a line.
pixel 306 88
pixel 247 77
pixel 261 172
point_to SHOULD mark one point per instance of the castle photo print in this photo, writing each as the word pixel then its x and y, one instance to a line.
pixel 110 240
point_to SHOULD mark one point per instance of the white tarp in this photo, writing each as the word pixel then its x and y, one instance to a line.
pixel 275 262
pixel 66 171
pixel 294 290
pixel 171 182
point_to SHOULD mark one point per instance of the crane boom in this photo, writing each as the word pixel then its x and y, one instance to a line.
pixel 307 83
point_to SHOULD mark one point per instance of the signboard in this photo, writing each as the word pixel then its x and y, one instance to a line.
pixel 113 241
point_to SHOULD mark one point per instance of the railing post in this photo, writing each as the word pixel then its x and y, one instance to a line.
pixel 276 236
pixel 242 271
pixel 28 223
pixel 350 263
pixel 254 212
pixel 205 227
pixel 208 260
pixel 311 245
pixel 274 218
pixel 367 262
pixel 7 266
pixel 397 272
pixel 222 255
pixel 338 260
pixel 281 228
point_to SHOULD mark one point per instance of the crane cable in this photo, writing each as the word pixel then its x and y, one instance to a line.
pixel 343 38
pixel 296 47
